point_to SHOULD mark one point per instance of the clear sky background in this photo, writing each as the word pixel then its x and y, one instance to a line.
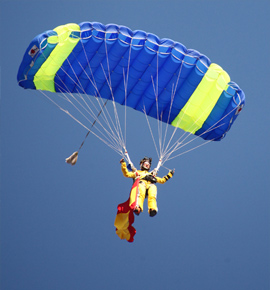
pixel 57 221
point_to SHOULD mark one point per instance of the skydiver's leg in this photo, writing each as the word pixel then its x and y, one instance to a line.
pixel 152 200
pixel 141 196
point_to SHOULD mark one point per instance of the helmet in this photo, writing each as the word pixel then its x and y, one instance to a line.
pixel 145 159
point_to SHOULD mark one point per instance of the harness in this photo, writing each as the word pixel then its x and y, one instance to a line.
pixel 149 177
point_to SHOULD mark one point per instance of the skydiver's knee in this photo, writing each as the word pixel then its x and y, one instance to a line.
pixel 152 190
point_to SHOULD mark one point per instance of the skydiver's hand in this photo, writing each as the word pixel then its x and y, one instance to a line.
pixel 154 172
pixel 172 172
pixel 122 160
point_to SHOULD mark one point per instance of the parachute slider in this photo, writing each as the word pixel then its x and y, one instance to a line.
pixel 72 159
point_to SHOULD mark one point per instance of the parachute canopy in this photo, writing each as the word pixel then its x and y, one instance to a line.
pixel 159 77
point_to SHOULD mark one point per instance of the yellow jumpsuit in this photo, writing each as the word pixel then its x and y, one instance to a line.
pixel 145 186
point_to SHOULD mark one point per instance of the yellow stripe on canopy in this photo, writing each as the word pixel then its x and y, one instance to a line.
pixel 203 100
pixel 44 78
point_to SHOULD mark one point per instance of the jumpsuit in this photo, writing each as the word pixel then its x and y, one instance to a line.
pixel 145 186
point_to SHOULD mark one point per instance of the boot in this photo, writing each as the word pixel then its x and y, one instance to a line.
pixel 152 212
pixel 137 210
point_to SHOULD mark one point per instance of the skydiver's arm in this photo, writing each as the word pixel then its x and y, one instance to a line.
pixel 166 177
pixel 125 171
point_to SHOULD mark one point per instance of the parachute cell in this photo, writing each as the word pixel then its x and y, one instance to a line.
pixel 160 77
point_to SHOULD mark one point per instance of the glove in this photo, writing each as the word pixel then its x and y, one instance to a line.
pixel 172 172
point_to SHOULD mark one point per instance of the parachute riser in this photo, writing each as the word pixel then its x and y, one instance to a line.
pixel 155 171
pixel 129 160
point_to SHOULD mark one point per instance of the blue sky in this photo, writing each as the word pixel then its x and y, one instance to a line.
pixel 212 228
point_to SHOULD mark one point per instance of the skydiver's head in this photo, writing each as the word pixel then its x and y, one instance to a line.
pixel 145 163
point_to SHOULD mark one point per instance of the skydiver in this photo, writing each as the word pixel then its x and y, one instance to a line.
pixel 147 185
